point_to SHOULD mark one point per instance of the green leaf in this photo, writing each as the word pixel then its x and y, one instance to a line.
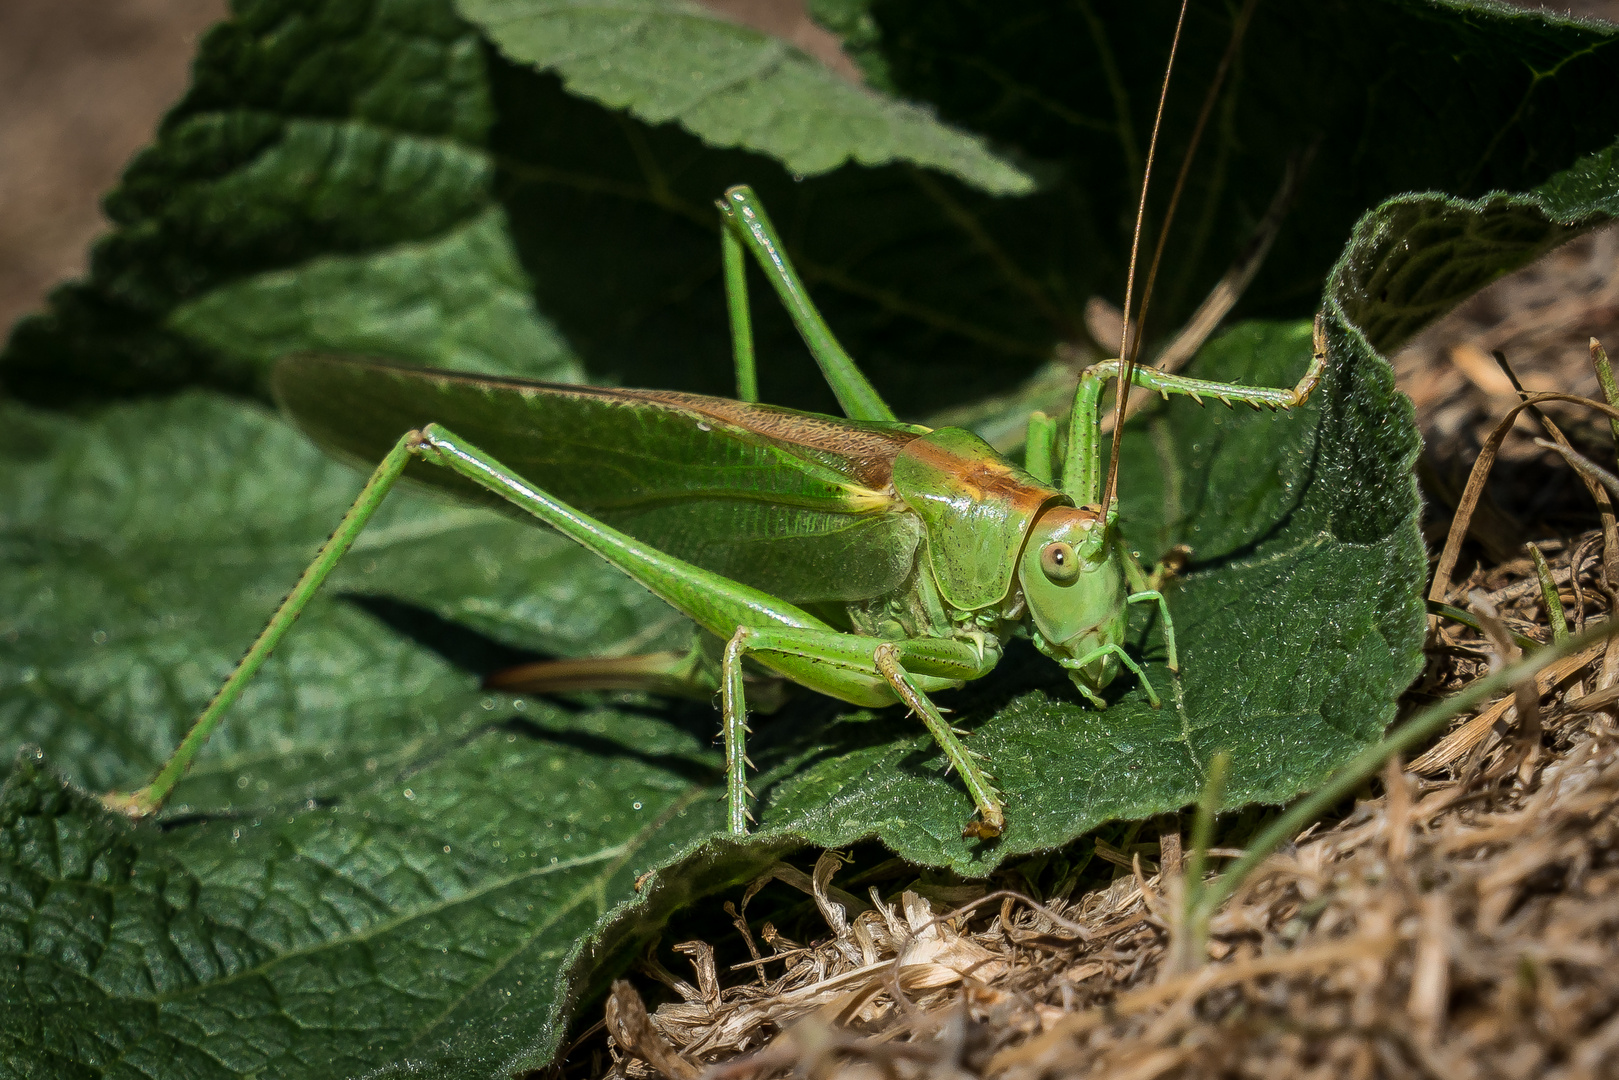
pixel 144 550
pixel 334 165
pixel 1299 621
pixel 666 60
pixel 410 929
pixel 459 301
pixel 323 897
pixel 1415 257
pixel 311 131
pixel 300 870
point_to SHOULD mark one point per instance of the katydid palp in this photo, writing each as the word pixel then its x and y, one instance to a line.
pixel 870 560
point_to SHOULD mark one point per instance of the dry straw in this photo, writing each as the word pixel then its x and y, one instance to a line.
pixel 1462 920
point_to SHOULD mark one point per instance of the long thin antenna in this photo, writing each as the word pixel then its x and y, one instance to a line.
pixel 1129 343
pixel 1239 29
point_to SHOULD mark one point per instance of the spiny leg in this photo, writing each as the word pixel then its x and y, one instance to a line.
pixel 149 799
pixel 991 820
pixel 1150 596
pixel 802 647
pixel 744 219
pixel 705 596
pixel 1082 467
pixel 910 668
pixel 734 728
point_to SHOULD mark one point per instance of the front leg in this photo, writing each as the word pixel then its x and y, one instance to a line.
pixel 1082 467
pixel 1146 590
pixel 1101 652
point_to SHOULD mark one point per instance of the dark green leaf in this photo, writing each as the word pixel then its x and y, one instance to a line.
pixel 1414 258
pixel 144 550
pixel 1386 96
pixel 1298 621
pixel 305 851
pixel 326 896
pixel 667 60
pixel 409 929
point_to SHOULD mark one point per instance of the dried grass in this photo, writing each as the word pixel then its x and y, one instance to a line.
pixel 1459 926
pixel 1462 920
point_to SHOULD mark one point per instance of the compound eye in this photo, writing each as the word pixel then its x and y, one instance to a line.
pixel 1060 562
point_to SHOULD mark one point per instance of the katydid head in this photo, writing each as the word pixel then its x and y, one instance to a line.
pixel 1072 574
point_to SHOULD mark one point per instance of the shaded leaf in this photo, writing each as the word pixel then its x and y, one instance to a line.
pixel 666 60
pixel 458 301
pixel 1388 97
pixel 1415 257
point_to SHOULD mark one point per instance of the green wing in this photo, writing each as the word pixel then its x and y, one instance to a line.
pixel 796 504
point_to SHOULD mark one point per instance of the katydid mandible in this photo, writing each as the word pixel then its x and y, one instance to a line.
pixel 873 561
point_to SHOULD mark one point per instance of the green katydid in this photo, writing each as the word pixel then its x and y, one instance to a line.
pixel 874 561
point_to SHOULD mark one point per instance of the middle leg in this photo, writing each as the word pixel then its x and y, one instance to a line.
pixel 866 671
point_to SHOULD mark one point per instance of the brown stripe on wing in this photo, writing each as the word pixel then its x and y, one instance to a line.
pixel 986 479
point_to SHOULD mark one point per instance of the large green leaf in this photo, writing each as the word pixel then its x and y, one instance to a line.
pixel 323 897
pixel 301 872
pixel 144 550
pixel 669 60
pixel 408 929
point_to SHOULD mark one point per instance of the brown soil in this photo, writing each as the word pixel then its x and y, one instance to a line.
pixel 82 86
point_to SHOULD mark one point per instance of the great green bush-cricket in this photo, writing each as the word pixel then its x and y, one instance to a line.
pixel 871 560
pixel 867 559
